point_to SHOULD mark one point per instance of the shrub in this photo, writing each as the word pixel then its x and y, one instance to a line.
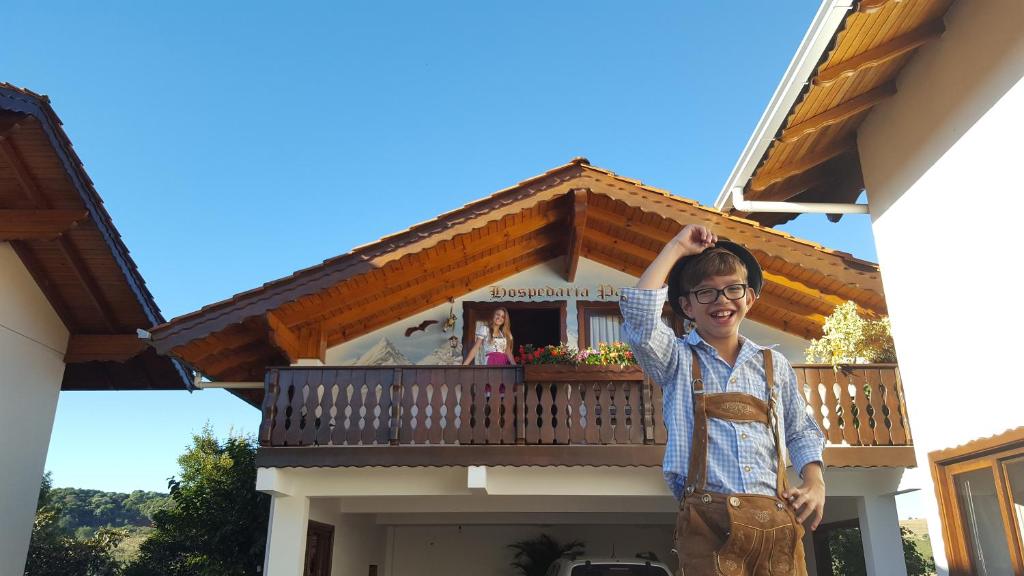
pixel 848 338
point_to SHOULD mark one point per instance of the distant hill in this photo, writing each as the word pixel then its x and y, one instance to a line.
pixel 83 511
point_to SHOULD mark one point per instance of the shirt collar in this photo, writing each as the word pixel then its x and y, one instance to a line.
pixel 694 339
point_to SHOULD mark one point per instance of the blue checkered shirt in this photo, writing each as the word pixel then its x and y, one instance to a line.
pixel 741 455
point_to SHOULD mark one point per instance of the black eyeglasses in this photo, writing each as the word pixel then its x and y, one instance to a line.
pixel 709 295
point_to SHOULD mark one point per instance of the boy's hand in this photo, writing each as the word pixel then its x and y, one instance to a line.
pixel 693 239
pixel 808 499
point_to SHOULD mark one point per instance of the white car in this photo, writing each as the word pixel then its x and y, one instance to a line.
pixel 588 566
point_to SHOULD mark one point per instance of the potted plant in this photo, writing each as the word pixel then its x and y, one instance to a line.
pixel 535 555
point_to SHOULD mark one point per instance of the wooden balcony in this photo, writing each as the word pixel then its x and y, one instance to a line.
pixel 537 415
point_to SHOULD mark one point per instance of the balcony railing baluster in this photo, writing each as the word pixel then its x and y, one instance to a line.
pixel 858 405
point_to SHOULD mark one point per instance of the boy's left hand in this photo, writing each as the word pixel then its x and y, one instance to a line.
pixel 808 499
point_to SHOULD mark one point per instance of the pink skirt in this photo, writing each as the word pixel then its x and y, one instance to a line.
pixel 497 359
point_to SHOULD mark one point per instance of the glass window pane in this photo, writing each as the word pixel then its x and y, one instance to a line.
pixel 1015 476
pixel 607 327
pixel 982 522
pixel 604 328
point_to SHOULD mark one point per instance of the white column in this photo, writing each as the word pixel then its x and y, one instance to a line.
pixel 286 536
pixel 880 532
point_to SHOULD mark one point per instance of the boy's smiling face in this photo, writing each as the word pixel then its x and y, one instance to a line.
pixel 720 319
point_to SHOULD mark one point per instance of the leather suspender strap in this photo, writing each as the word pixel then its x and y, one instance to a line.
pixel 696 476
pixel 773 423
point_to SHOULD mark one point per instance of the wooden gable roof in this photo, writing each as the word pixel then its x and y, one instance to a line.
pixel 576 210
pixel 813 154
pixel 54 219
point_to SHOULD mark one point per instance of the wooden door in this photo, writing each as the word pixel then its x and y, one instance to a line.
pixel 319 545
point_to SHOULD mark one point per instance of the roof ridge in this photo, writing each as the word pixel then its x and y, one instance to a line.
pixel 579 161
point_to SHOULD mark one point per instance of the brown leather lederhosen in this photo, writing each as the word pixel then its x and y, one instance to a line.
pixel 735 534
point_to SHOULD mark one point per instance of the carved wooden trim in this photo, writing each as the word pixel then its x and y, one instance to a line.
pixel 762 179
pixel 872 6
pixel 847 109
pixel 881 54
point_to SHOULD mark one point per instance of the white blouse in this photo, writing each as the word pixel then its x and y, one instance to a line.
pixel 495 344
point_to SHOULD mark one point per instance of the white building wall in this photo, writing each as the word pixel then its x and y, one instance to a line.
pixel 542 283
pixel 482 549
pixel 942 165
pixel 359 541
pixel 32 344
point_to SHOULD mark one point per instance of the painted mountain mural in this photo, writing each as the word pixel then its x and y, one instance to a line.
pixel 383 353
pixel 442 356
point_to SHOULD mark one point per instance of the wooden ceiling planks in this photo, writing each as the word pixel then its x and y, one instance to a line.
pixel 859 71
pixel 57 225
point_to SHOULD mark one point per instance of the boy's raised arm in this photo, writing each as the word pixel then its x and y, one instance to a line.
pixel 692 239
pixel 652 341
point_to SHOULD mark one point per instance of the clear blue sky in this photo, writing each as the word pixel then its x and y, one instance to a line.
pixel 234 143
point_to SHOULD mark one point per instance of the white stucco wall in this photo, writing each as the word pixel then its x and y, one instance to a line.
pixel 32 344
pixel 941 163
pixel 594 281
pixel 482 549
pixel 359 541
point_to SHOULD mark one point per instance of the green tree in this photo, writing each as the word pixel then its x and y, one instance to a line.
pixel 535 555
pixel 217 522
pixel 847 552
pixel 54 551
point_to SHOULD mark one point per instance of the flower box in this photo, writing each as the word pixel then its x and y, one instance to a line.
pixel 581 373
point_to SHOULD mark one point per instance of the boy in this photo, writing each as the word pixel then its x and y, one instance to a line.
pixel 727 401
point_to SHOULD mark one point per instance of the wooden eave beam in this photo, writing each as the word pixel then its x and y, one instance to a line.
pixel 305 343
pixel 38 224
pixel 102 348
pixel 847 109
pixel 808 312
pixel 882 53
pixel 462 276
pixel 805 290
pixel 86 279
pixel 544 225
pixel 578 223
pixel 636 227
pixel 412 279
pixel 613 242
pixel 817 176
pixel 762 179
pixel 360 326
pixel 256 351
pixel 282 338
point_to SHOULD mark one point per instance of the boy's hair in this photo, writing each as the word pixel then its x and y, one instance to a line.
pixel 724 259
pixel 713 262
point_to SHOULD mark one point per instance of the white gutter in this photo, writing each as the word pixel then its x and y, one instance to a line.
pixel 830 15
pixel 742 205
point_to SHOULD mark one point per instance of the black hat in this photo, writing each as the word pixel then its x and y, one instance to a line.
pixel 755 279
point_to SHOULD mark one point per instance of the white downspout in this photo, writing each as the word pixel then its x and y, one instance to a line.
pixel 793 207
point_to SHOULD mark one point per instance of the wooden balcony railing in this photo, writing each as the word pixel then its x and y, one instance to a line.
pixel 537 405
pixel 857 405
